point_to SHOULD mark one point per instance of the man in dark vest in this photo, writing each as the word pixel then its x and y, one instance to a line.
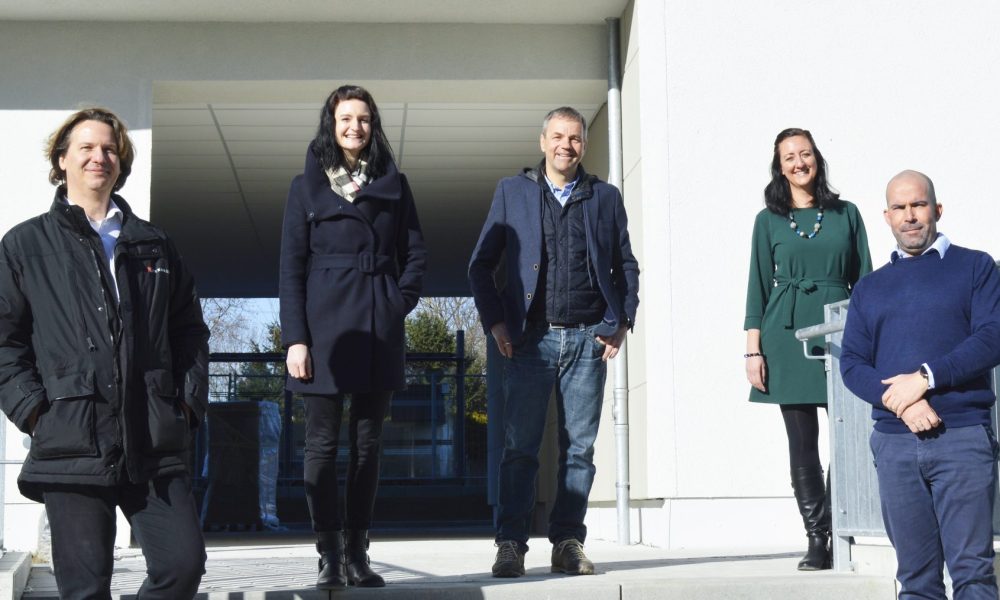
pixel 103 361
pixel 922 334
pixel 571 293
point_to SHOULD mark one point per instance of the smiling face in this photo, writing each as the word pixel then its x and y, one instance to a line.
pixel 352 123
pixel 563 144
pixel 91 160
pixel 798 162
pixel 911 212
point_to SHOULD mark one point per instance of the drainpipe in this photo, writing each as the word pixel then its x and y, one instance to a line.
pixel 615 178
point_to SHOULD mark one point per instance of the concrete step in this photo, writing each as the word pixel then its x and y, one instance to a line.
pixel 14 571
pixel 443 569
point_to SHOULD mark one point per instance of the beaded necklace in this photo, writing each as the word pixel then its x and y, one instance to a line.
pixel 816 226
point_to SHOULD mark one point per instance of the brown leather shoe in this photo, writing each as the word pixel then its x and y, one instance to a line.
pixel 568 558
pixel 509 561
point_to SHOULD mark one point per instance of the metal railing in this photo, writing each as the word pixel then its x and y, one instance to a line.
pixel 433 441
pixel 854 484
pixel 429 434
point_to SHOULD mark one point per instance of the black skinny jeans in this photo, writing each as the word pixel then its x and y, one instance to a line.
pixel 164 521
pixel 323 418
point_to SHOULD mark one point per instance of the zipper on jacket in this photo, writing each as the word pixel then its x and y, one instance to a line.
pixel 116 368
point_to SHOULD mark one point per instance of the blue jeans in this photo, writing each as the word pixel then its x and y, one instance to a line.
pixel 568 360
pixel 937 493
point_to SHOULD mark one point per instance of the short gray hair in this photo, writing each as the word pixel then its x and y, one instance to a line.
pixel 569 113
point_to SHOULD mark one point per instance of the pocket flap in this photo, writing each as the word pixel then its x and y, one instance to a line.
pixel 72 385
pixel 161 381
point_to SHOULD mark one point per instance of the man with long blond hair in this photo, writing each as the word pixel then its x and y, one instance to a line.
pixel 103 362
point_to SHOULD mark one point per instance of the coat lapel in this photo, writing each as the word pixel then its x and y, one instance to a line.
pixel 327 204
pixel 590 207
pixel 386 188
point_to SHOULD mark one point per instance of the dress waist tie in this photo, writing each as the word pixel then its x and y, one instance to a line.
pixel 806 285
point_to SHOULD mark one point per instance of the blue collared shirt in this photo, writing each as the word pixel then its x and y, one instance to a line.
pixel 941 245
pixel 563 194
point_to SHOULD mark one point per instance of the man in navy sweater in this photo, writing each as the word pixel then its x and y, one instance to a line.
pixel 922 334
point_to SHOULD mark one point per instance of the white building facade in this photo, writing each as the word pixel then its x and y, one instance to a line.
pixel 706 86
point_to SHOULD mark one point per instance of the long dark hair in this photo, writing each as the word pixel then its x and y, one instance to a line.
pixel 378 153
pixel 778 193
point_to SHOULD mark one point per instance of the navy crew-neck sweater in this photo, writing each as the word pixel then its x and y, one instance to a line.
pixel 926 309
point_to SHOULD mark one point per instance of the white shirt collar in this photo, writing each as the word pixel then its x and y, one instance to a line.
pixel 941 244
pixel 113 210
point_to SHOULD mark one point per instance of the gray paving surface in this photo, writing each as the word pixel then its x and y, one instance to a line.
pixel 459 568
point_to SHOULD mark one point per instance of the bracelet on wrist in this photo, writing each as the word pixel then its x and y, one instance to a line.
pixel 752 354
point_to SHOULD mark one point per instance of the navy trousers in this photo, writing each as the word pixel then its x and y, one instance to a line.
pixel 937 492
pixel 164 521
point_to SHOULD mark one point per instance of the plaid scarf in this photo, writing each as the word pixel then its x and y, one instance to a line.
pixel 348 184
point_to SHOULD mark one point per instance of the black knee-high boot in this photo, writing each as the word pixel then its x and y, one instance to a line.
pixel 332 573
pixel 814 506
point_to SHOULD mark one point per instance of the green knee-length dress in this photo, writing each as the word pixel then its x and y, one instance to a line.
pixel 791 279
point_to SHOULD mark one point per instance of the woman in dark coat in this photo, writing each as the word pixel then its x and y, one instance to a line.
pixel 352 262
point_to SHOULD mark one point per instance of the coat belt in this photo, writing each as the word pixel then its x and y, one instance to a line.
pixel 366 262
pixel 805 285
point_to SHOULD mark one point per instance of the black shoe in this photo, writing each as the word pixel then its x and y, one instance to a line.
pixel 817 556
pixel 332 575
pixel 359 570
pixel 510 560
pixel 814 506
pixel 568 557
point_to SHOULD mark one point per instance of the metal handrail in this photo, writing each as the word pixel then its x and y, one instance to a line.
pixel 814 331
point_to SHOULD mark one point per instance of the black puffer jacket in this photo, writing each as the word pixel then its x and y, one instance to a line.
pixel 106 378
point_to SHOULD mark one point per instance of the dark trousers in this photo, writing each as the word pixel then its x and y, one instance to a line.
pixel 323 418
pixel 937 494
pixel 164 521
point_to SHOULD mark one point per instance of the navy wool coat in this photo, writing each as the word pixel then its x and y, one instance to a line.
pixel 513 230
pixel 350 273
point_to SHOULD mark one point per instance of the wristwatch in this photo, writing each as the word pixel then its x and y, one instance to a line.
pixel 925 375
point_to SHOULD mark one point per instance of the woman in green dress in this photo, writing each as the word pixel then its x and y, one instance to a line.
pixel 809 249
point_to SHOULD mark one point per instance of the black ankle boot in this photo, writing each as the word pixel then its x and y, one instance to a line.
pixel 810 493
pixel 332 575
pixel 359 571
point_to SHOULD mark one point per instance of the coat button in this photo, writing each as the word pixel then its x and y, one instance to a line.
pixel 535 267
pixel 529 295
pixel 311 215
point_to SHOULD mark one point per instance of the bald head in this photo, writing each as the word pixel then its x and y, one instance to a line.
pixel 912 211
pixel 912 178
